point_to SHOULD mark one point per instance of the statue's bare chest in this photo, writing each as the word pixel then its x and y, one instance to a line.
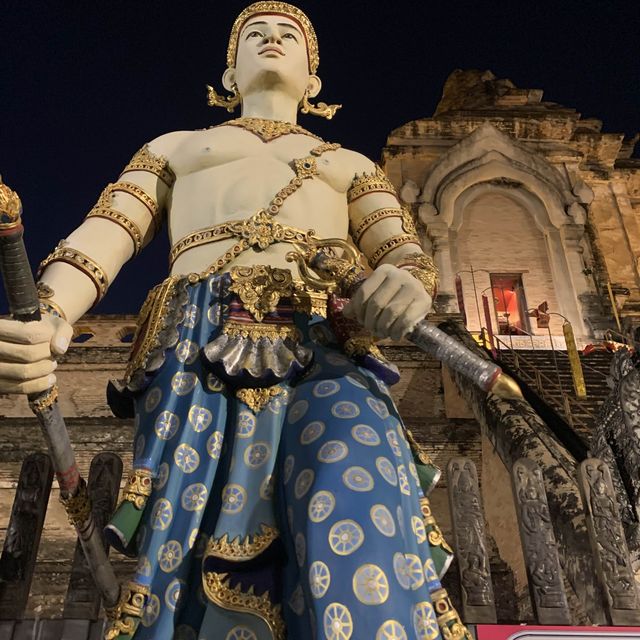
pixel 230 154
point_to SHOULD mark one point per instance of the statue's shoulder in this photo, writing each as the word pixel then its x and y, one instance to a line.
pixel 356 163
pixel 167 144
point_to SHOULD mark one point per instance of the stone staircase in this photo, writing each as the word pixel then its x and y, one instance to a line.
pixel 550 379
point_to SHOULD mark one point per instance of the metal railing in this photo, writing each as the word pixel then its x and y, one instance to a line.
pixel 563 355
pixel 543 385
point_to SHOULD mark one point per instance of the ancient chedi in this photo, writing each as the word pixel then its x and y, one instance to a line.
pixel 536 198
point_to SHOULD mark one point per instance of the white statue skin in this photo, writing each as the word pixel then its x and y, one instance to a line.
pixel 228 173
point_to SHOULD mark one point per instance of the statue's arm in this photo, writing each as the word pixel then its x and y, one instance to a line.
pixel 77 274
pixel 399 293
pixel 127 215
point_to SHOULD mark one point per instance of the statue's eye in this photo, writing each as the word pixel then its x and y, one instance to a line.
pixel 290 35
pixel 254 34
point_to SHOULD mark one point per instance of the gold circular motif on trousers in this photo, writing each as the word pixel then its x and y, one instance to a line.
pixel 337 622
pixel 370 584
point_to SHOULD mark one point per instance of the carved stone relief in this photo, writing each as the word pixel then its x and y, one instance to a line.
pixel 469 534
pixel 539 544
pixel 613 562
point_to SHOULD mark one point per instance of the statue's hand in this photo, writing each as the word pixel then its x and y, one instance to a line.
pixel 389 303
pixel 26 350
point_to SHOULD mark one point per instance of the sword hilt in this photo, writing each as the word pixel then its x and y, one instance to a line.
pixel 24 305
pixel 484 372
pixel 19 284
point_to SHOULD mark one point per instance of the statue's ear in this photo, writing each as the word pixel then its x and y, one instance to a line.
pixel 229 79
pixel 314 86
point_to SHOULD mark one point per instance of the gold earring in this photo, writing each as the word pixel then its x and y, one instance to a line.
pixel 323 109
pixel 214 99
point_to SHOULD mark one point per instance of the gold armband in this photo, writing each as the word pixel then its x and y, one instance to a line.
pixel 142 196
pixel 102 209
pixel 389 245
pixel 145 160
pixel 369 183
pixel 421 267
pixel 83 263
pixel 369 220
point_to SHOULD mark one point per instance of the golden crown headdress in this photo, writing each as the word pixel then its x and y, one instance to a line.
pixel 278 8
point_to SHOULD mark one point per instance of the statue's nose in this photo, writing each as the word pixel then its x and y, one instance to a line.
pixel 272 37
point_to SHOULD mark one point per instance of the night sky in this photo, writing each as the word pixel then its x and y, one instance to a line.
pixel 85 84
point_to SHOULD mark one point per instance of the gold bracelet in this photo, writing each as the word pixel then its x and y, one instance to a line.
pixel 50 307
pixel 122 221
pixel 142 196
pixel 369 183
pixel 389 245
pixel 46 305
pixel 83 263
pixel 145 160
pixel 423 268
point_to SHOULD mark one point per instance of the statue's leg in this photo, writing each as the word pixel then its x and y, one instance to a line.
pixel 181 422
pixel 359 555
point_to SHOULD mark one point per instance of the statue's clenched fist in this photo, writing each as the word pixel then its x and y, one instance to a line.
pixel 390 302
pixel 26 350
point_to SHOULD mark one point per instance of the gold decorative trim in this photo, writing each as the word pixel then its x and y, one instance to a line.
pixel 434 533
pixel 218 589
pixel 78 506
pixel 142 196
pixel 366 183
pixel 125 616
pixel 359 345
pixel 146 160
pixel 257 330
pixel 451 627
pixel 49 306
pixel 45 402
pixel 257 399
pixel 282 8
pixel 138 488
pixel 241 549
pixel 10 207
pixel 375 216
pixel 260 231
pixel 418 449
pixel 150 319
pixel 260 288
pixel 122 221
pixel 389 245
pixel 423 268
pixel 83 263
pixel 268 130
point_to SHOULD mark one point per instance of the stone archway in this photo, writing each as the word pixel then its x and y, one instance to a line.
pixel 490 161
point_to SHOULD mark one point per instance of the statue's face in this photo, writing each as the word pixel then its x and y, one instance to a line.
pixel 272 51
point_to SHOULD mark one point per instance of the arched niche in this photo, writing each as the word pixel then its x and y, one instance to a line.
pixel 502 229
pixel 489 160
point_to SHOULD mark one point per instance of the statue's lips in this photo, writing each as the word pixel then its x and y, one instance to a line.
pixel 271 49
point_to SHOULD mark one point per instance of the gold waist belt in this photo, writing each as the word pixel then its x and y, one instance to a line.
pixel 259 231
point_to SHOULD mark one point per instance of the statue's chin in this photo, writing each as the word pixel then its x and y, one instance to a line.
pixel 271 78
